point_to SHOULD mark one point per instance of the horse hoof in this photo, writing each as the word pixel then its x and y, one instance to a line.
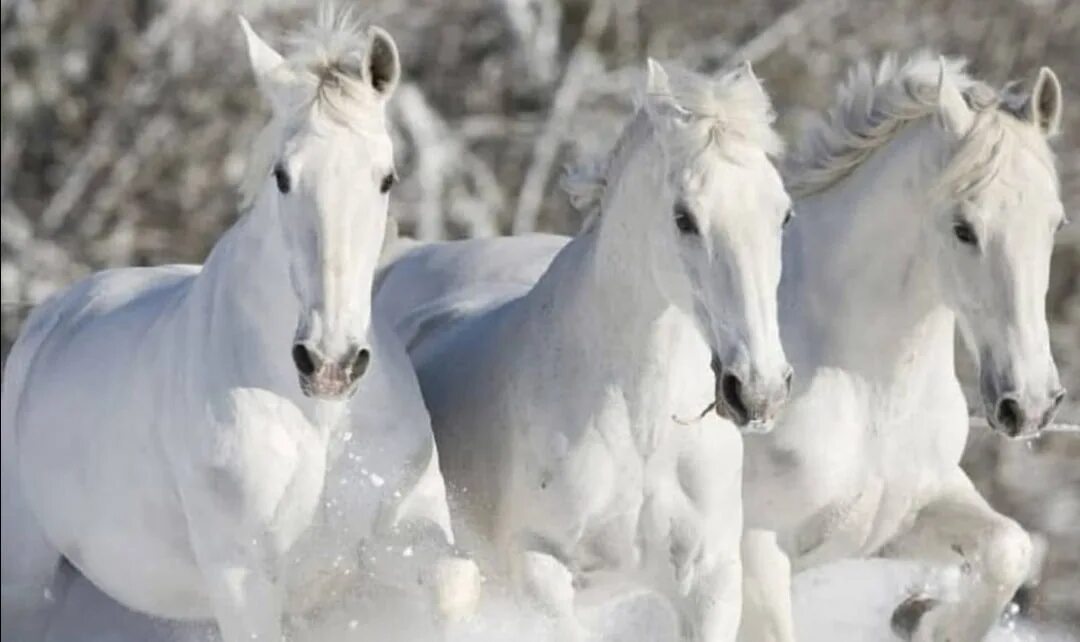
pixel 906 617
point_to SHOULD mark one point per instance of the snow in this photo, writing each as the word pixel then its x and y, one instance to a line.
pixel 849 600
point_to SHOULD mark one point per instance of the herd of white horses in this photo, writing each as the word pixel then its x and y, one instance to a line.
pixel 728 375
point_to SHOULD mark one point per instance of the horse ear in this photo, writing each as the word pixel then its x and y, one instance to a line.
pixel 953 112
pixel 656 79
pixel 264 60
pixel 745 71
pixel 658 99
pixel 1045 105
pixel 383 66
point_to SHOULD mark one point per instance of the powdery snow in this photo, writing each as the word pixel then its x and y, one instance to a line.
pixel 845 601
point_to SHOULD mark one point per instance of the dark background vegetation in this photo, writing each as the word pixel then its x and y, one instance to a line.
pixel 125 126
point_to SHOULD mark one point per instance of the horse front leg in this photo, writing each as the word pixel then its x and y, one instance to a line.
pixel 549 583
pixel 247 602
pixel 707 583
pixel 766 611
pixel 711 609
pixel 238 566
pixel 993 550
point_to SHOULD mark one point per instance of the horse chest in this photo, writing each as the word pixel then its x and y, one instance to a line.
pixel 265 465
pixel 905 456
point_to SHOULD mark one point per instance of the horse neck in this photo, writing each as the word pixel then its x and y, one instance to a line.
pixel 858 276
pixel 242 310
pixel 609 311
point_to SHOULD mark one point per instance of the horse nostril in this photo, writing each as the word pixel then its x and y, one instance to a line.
pixel 305 365
pixel 787 380
pixel 360 363
pixel 1010 415
pixel 732 390
pixel 1058 397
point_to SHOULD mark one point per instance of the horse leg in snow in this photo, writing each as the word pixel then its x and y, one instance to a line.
pixel 238 567
pixel 419 554
pixel 34 594
pixel 419 523
pixel 994 551
pixel 766 614
pixel 550 584
pixel 710 611
pixel 247 603
pixel 32 588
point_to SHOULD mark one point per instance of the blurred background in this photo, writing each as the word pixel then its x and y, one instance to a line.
pixel 126 125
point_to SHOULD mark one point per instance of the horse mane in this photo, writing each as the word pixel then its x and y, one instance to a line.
pixel 724 111
pixel 324 57
pixel 874 104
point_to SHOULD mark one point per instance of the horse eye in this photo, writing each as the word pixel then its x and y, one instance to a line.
pixel 684 221
pixel 387 182
pixel 787 217
pixel 965 233
pixel 282 178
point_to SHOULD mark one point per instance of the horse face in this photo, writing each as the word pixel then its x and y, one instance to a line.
pixel 995 265
pixel 723 208
pixel 330 183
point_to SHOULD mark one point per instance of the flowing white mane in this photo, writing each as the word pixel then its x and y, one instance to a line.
pixel 873 105
pixel 724 111
pixel 322 70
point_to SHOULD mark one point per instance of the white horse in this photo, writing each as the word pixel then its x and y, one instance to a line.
pixel 554 392
pixel 926 200
pixel 234 440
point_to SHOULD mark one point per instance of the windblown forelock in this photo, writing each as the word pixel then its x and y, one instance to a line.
pixel 875 103
pixel 724 113
pixel 327 54
pixel 323 69
pixel 730 109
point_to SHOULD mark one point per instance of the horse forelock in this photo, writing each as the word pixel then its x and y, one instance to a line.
pixel 731 108
pixel 723 112
pixel 322 67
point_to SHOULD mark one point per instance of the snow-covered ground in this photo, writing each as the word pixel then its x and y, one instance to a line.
pixel 846 601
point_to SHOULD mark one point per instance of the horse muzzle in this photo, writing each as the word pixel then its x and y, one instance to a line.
pixel 1021 416
pixel 750 402
pixel 329 379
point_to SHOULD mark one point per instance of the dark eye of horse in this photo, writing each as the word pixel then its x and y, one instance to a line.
pixel 965 233
pixel 282 178
pixel 684 220
pixel 787 217
pixel 387 182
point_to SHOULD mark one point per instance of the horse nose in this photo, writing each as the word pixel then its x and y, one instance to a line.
pixel 755 403
pixel 321 377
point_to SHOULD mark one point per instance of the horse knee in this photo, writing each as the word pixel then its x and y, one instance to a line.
pixel 548 581
pixel 763 557
pixel 1006 555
